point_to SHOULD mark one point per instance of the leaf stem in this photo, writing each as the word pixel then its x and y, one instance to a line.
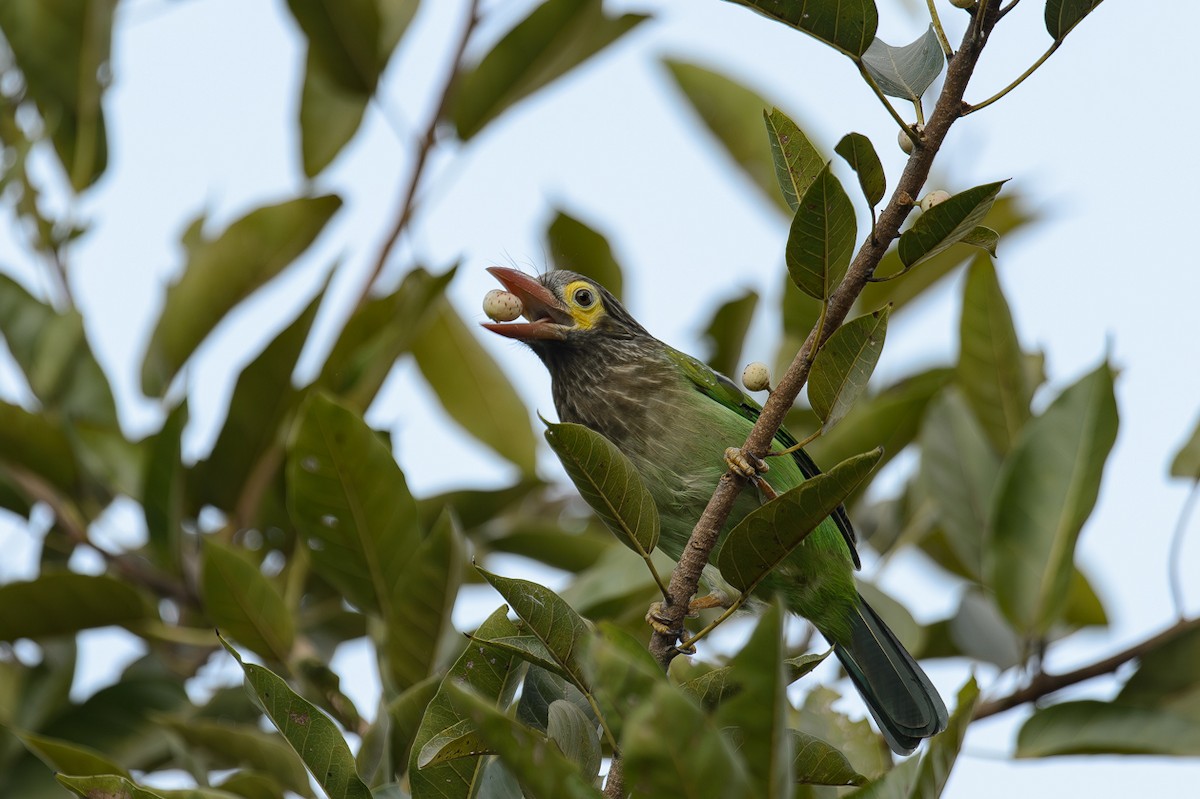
pixel 796 447
pixel 970 109
pixel 729 611
pixel 658 580
pixel 1173 564
pixel 937 29
pixel 866 75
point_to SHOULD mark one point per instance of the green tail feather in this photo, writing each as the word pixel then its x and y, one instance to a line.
pixel 904 703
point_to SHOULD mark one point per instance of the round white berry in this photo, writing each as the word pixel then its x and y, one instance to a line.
pixel 502 306
pixel 936 197
pixel 905 141
pixel 756 377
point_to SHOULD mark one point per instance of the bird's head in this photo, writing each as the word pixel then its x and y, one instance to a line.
pixel 563 308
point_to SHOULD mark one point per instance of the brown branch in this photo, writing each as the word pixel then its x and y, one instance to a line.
pixel 425 143
pixel 1044 684
pixel 685 579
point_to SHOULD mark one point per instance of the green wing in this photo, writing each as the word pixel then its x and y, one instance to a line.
pixel 720 388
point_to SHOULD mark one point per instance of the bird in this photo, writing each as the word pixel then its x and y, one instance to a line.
pixel 674 417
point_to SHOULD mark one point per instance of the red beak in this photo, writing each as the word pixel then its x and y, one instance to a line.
pixel 548 317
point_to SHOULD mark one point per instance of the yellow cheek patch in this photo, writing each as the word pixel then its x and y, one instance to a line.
pixel 586 316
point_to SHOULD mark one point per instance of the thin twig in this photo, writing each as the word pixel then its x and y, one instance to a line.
pixel 937 29
pixel 425 143
pixel 1044 684
pixel 1173 565
pixel 1021 79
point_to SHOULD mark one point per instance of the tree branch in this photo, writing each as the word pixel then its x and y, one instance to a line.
pixel 1044 684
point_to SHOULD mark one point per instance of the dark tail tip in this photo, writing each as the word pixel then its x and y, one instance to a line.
pixel 900 696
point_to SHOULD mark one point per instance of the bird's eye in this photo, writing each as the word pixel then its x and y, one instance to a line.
pixel 584 298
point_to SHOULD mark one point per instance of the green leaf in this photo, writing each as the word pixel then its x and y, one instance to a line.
pixel 405 713
pixel 575 735
pixel 573 245
pixel 528 648
pixel 861 156
pixel 255 427
pixel 716 685
pixel 817 763
pixel 1187 459
pixel 348 498
pixel 540 767
pixel 609 482
pixel 759 711
pixel 958 474
pixel 984 238
pixel 1046 491
pixel 671 748
pixel 34 443
pixel 847 25
pixel 766 536
pixel 421 602
pixel 1063 15
pixel 1166 677
pixel 459 740
pixel 556 37
pixel 163 489
pixel 53 352
pixel 1090 727
pixel 69 757
pixel 378 333
pixel 66 603
pixel 947 223
pixel 622 672
pixel 731 112
pixel 227 745
pixel 105 786
pixel 797 161
pixel 844 365
pixel 726 332
pixel 979 630
pixel 540 689
pixel 905 72
pixel 223 271
pixel 62 48
pixel 1083 607
pixel 991 366
pixel 472 388
pixel 311 733
pixel 490 674
pixel 551 619
pixel 552 545
pixel 243 603
pixel 821 238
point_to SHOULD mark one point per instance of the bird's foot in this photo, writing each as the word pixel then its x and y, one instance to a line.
pixel 747 465
pixel 657 618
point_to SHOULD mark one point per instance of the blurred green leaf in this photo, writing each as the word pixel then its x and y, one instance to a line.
pixel 251 785
pixel 797 162
pixel 163 489
pixel 62 48
pixel 32 442
pixel 53 352
pixel 991 366
pixel 726 332
pixel 309 732
pixel 475 507
pixel 104 786
pixel 452 743
pixel 861 156
pixel 540 689
pixel 575 246
pixel 821 239
pixel 472 388
pixel 766 536
pixel 405 712
pixel 844 365
pixel 609 482
pixel 980 631
pixel 68 757
pixel 1047 489
pixel 348 498
pixel 622 672
pixel 716 685
pixel 1187 459
pixel 1166 677
pixel 67 602
pixel 552 620
pixel 984 238
pixel 575 735
pixel 672 748
pixel 542 770
pixel 731 111
pixel 1089 727
pixel 759 711
pixel 378 333
pixel 227 745
pixel 223 271
pixel 263 401
pixel 817 763
pixel 421 604
pixel 847 25
pixel 907 71
pixel 1083 607
pixel 243 603
pixel 553 546
pixel 861 745
pixel 958 473
pixel 1063 15
pixel 490 674
pixel 946 224
pixel 556 37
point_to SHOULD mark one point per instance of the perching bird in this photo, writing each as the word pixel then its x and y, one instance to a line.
pixel 674 417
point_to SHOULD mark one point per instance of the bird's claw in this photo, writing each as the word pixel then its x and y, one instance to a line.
pixel 659 622
pixel 750 467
